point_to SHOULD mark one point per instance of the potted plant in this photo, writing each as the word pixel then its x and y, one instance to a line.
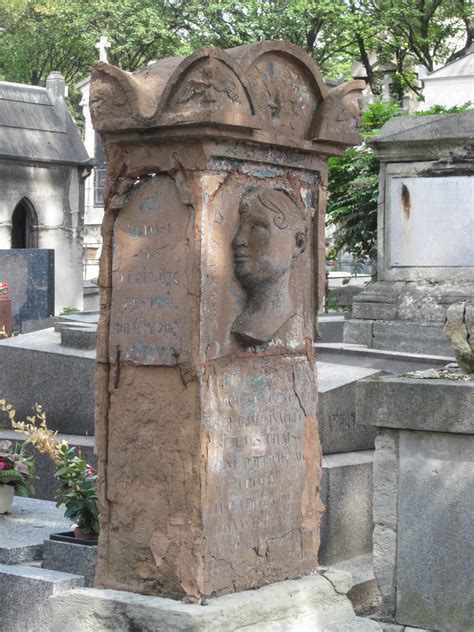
pixel 77 492
pixel 77 479
pixel 5 311
pixel 16 470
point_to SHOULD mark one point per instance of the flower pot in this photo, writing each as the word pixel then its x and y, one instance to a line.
pixel 6 498
pixel 69 536
pixel 80 534
pixel 5 314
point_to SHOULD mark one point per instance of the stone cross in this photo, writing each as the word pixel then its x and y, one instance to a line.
pixel 211 269
pixel 102 45
pixel 386 87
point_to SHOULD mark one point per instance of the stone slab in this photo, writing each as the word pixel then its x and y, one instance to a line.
pixel 79 337
pixel 310 603
pixel 435 570
pixel 90 317
pixel 441 231
pixel 385 515
pixel 383 360
pixel 50 370
pixel 29 326
pixel 417 404
pixel 67 557
pixel 402 132
pixel 345 294
pixel 338 430
pixel 359 332
pixel 331 327
pixel 346 491
pixel 23 531
pixel 30 277
pixel 374 311
pixel 414 337
pixel 25 594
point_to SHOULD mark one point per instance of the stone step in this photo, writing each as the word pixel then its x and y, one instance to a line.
pixel 399 335
pixel 346 491
pixel 331 327
pixel 338 430
pixel 23 531
pixel 381 360
pixel 67 557
pixel 25 591
pixel 51 371
pixel 79 336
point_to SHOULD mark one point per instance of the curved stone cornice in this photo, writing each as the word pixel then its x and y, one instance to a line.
pixel 269 91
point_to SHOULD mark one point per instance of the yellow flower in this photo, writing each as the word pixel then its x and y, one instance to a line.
pixel 44 439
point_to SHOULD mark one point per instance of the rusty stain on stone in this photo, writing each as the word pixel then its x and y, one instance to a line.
pixel 406 203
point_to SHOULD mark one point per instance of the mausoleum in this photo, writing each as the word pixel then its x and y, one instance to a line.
pixel 43 165
pixel 452 84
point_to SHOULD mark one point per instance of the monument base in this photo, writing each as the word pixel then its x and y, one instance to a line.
pixel 315 603
pixel 405 316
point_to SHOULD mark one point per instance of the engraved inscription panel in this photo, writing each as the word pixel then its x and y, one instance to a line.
pixel 152 265
pixel 262 470
pixel 431 222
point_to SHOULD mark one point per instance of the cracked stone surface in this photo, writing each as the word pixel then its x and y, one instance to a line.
pixel 212 261
pixel 308 604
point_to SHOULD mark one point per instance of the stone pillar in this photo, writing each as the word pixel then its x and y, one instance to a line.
pixel 212 262
pixel 423 501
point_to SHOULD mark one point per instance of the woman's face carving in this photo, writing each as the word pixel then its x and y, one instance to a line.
pixel 263 252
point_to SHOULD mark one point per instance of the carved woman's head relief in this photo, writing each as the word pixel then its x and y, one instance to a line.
pixel 271 235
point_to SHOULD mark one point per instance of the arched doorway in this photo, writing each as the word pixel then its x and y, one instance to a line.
pixel 24 225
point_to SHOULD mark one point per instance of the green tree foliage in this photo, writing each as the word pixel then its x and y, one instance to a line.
pixel 411 32
pixel 321 27
pixel 353 188
pixel 38 36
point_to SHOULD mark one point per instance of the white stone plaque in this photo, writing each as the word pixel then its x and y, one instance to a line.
pixel 431 222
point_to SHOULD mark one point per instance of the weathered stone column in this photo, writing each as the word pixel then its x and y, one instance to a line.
pixel 213 251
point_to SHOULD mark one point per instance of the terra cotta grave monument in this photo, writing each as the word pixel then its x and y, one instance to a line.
pixel 212 263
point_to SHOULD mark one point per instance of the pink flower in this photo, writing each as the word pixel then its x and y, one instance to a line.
pixel 21 467
pixel 5 463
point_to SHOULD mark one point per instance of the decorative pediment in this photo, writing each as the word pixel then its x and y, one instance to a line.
pixel 337 118
pixel 119 99
pixel 287 84
pixel 207 86
pixel 272 89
